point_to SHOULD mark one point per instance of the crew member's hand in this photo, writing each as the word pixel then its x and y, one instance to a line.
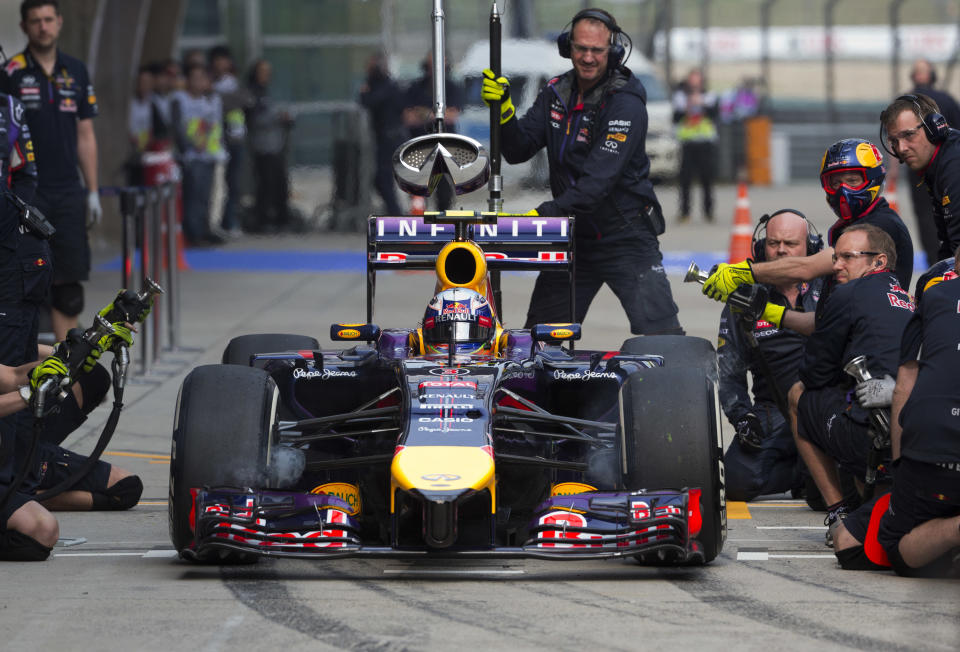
pixel 94 210
pixel 750 433
pixel 497 90
pixel 876 392
pixel 773 314
pixel 52 368
pixel 121 335
pixel 139 317
pixel 725 278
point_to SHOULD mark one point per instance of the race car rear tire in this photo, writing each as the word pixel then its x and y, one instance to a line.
pixel 671 440
pixel 223 435
pixel 677 351
pixel 240 348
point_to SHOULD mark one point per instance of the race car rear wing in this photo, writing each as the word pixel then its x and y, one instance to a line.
pixel 509 242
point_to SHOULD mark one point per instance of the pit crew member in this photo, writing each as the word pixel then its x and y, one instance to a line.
pixel 60 105
pixel 852 175
pixel 917 134
pixel 593 122
pixel 762 458
pixel 921 523
pixel 864 315
pixel 27 529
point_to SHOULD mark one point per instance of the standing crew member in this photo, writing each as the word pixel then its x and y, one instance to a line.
pixel 924 77
pixel 60 104
pixel 593 122
pixel 864 315
pixel 762 458
pixel 852 175
pixel 915 131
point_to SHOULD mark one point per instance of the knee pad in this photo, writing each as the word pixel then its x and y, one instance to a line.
pixel 856 559
pixel 17 546
pixel 67 298
pixel 95 384
pixel 122 495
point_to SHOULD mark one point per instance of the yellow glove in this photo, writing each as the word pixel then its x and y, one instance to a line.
pixel 773 314
pixel 725 278
pixel 532 213
pixel 52 367
pixel 497 90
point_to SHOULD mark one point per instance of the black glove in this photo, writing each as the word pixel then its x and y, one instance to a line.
pixel 750 433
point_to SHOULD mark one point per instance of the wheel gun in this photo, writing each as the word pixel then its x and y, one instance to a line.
pixel 879 422
pixel 749 300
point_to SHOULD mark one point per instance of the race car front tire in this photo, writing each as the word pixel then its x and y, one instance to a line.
pixel 677 351
pixel 224 429
pixel 240 348
pixel 671 440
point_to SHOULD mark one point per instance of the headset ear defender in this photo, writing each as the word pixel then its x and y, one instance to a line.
pixel 617 51
pixel 814 239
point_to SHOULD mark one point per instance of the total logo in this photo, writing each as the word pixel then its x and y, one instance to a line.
pixel 322 375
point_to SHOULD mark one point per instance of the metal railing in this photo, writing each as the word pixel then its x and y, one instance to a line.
pixel 151 226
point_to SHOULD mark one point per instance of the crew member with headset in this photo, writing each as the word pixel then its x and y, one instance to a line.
pixel 852 175
pixel 865 314
pixel 762 458
pixel 593 122
pixel 913 130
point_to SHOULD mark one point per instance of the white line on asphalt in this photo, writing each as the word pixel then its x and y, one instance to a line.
pixel 451 571
pixel 766 556
pixel 98 554
pixel 160 554
pixel 824 556
pixel 790 527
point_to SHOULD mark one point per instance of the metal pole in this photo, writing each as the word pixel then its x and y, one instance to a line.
pixel 495 203
pixel 705 42
pixel 128 210
pixel 146 236
pixel 439 72
pixel 667 9
pixel 895 6
pixel 173 272
pixel 156 269
pixel 828 9
pixel 766 9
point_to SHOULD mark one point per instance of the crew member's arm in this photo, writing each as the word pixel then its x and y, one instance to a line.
pixel 732 365
pixel 949 230
pixel 906 378
pixel 800 322
pixel 793 269
pixel 523 137
pixel 23 164
pixel 617 137
pixel 87 153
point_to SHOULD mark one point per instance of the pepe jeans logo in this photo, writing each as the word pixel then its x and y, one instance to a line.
pixel 322 375
pixel 560 374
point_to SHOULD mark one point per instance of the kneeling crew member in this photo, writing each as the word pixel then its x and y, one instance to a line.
pixel 762 459
pixel 864 315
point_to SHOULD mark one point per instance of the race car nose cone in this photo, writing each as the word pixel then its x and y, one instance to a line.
pixel 421 163
pixel 442 472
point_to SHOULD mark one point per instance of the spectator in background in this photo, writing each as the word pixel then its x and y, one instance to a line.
pixel 235 101
pixel 924 76
pixel 418 114
pixel 140 125
pixel 381 97
pixel 695 114
pixel 166 76
pixel 269 129
pixel 741 102
pixel 198 123
pixel 59 103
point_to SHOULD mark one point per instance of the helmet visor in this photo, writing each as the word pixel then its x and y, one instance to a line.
pixel 850 178
pixel 439 329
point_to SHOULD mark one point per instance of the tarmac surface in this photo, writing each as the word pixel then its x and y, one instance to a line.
pixel 116 584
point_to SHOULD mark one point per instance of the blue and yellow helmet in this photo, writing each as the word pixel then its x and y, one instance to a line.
pixel 852 174
pixel 461 316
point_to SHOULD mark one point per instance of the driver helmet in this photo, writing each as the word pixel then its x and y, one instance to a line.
pixel 852 174
pixel 462 316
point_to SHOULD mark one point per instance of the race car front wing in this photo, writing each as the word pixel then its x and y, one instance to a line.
pixel 661 524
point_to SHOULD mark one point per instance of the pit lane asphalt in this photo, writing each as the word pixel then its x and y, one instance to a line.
pixel 774 586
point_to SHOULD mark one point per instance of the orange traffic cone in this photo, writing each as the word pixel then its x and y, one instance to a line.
pixel 741 236
pixel 890 192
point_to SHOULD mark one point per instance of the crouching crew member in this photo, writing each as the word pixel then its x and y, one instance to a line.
pixel 864 315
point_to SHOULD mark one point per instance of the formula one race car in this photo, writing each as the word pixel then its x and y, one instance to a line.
pixel 456 438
